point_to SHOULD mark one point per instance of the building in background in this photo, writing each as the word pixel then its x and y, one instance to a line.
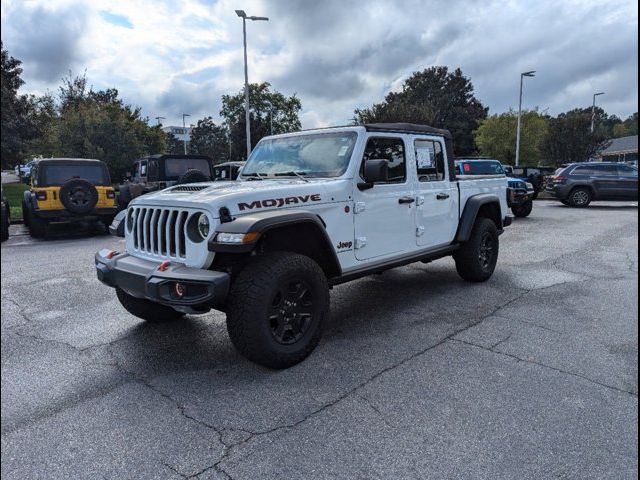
pixel 623 149
pixel 181 133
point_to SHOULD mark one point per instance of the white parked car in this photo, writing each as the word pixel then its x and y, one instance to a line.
pixel 311 209
pixel 23 172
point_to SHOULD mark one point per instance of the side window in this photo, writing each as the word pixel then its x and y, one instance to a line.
pixel 152 173
pixel 143 169
pixel 390 149
pixel 136 170
pixel 429 160
pixel 583 170
pixel 626 171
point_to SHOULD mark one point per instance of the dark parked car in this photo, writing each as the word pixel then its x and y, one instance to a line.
pixel 5 211
pixel 158 172
pixel 580 183
pixel 520 194
pixel 536 176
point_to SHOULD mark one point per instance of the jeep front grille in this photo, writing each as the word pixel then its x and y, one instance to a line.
pixel 158 232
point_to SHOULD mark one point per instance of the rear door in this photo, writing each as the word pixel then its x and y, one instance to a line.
pixel 436 196
pixel 628 182
pixel 384 220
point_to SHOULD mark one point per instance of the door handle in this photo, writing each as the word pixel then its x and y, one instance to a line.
pixel 406 200
pixel 442 196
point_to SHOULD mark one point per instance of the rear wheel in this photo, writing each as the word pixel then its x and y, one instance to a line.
pixel 145 309
pixel 276 309
pixel 476 259
pixel 522 210
pixel 580 197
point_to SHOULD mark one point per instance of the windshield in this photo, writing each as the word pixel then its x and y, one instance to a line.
pixel 174 168
pixel 480 168
pixel 56 175
pixel 316 155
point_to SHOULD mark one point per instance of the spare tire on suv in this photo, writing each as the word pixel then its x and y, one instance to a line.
pixel 78 196
pixel 193 176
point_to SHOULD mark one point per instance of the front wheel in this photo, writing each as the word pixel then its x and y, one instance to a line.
pixel 147 310
pixel 276 309
pixel 523 210
pixel 476 259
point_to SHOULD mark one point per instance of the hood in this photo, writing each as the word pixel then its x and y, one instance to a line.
pixel 242 197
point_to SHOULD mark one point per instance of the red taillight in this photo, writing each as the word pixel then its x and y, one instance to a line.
pixel 559 179
pixel 111 194
pixel 41 195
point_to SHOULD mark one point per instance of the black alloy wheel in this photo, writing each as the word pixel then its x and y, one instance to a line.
pixel 291 311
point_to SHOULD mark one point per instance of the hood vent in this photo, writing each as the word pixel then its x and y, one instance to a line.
pixel 187 188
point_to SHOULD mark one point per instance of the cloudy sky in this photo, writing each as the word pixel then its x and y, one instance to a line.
pixel 180 56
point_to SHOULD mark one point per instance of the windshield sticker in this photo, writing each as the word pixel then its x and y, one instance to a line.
pixel 343 150
pixel 279 202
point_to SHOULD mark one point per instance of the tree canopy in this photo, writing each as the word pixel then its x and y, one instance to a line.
pixel 210 139
pixel 436 97
pixel 271 112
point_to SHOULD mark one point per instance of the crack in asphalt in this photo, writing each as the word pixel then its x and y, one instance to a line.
pixel 377 410
pixel 540 364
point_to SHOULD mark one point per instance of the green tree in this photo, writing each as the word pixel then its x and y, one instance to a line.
pixel 570 139
pixel 98 124
pixel 270 112
pixel 17 125
pixel 207 138
pixel 496 137
pixel 433 97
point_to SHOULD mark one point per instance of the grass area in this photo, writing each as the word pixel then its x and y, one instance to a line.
pixel 13 192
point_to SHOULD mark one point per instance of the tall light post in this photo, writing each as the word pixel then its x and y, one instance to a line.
pixel 243 15
pixel 270 117
pixel 184 132
pixel 158 120
pixel 522 75
pixel 593 111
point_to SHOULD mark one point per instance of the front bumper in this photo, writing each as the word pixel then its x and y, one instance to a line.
pixel 203 289
pixel 518 197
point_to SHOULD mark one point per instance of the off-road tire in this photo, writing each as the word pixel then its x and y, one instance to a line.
pixel 78 196
pixel 473 262
pixel 25 214
pixel 147 310
pixel 124 196
pixel 193 176
pixel 37 226
pixel 580 197
pixel 258 291
pixel 523 210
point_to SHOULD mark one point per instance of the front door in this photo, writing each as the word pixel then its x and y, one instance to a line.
pixel 628 182
pixel 384 218
pixel 437 211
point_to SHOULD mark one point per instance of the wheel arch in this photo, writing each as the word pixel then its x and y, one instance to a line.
pixel 301 232
pixel 484 205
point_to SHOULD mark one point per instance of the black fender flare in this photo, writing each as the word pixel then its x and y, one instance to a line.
pixel 470 213
pixel 263 222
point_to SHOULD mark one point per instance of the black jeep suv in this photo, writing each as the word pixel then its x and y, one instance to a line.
pixel 579 183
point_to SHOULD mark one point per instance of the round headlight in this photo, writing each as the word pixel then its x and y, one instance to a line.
pixel 203 226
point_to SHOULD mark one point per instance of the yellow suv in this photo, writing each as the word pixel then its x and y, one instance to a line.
pixel 68 190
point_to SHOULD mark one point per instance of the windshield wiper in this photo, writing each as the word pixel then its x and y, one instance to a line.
pixel 254 176
pixel 291 174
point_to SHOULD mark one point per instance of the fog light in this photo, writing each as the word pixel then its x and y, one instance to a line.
pixel 179 289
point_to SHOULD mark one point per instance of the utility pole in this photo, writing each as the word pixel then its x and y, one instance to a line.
pixel 184 129
pixel 158 120
pixel 522 75
pixel 243 15
pixel 593 111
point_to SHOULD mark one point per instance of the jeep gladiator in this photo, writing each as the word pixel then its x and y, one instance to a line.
pixel 311 210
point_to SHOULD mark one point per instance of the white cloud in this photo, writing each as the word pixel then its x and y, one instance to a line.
pixel 336 55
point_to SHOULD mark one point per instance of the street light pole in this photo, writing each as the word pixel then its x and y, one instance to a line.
pixel 184 132
pixel 158 119
pixel 593 110
pixel 243 15
pixel 522 75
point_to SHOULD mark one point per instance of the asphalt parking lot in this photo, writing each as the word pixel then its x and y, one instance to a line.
pixel 419 375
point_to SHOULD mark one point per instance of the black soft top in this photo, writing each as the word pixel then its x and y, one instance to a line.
pixel 407 128
pixel 69 161
pixel 160 156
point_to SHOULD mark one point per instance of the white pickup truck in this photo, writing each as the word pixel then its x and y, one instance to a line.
pixel 311 210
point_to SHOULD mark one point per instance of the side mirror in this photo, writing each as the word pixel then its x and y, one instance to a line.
pixel 374 171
